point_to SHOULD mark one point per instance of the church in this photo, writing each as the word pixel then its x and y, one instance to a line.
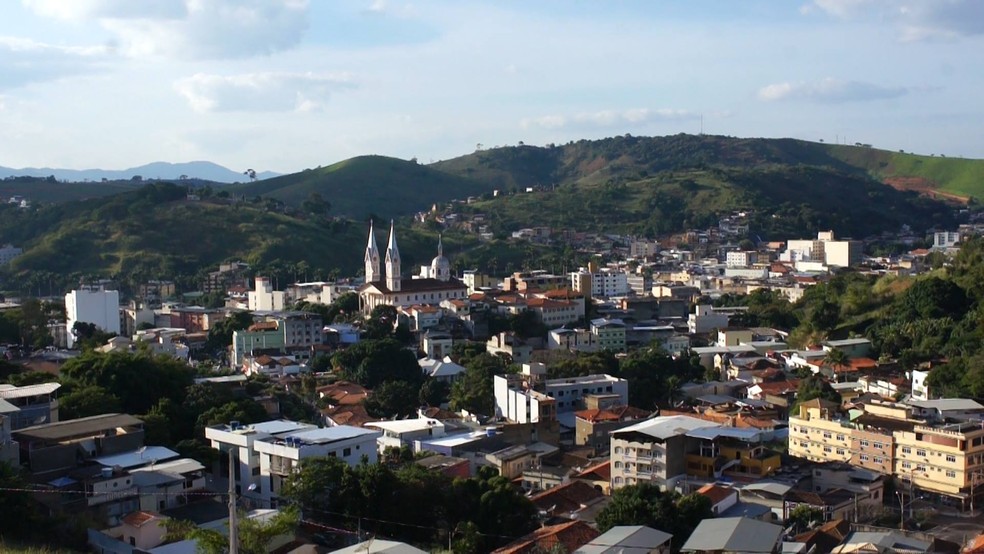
pixel 433 286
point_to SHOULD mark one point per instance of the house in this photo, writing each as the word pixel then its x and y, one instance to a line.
pixel 565 537
pixel 575 500
pixel 599 476
pixel 731 449
pixel 54 449
pixel 854 348
pixel 442 370
pixel 833 503
pixel 721 497
pixel 281 455
pixel 510 344
pixel 738 535
pixel 629 539
pixel 354 415
pixel 142 530
pixel 436 344
pixel 397 433
pixel 242 440
pixel 593 426
pixel 31 404
pixel 825 537
pixel 342 393
pixel 451 466
pixel 168 485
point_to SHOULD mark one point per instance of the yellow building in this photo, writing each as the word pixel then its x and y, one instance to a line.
pixel 947 459
pixel 818 435
pixel 730 449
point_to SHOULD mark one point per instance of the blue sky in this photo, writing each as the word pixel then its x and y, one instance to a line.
pixel 291 84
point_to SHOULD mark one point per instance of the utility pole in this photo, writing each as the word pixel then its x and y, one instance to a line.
pixel 233 536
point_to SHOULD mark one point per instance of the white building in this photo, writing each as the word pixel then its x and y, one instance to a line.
pixel 604 282
pixel 401 432
pixel 941 239
pixel 89 305
pixel 824 250
pixel 9 252
pixel 654 450
pixel 264 298
pixel 705 319
pixel 741 258
pixel 528 397
pixel 920 385
pixel 281 455
pixel 242 439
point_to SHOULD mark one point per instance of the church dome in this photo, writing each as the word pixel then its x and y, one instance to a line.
pixel 441 268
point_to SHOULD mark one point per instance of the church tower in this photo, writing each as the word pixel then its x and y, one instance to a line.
pixel 440 267
pixel 372 257
pixel 392 262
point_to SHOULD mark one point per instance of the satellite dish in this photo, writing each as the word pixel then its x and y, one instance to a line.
pixel 141 450
pixel 252 487
pixel 39 420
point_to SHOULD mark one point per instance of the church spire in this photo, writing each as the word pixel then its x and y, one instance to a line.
pixel 440 246
pixel 372 257
pixel 392 262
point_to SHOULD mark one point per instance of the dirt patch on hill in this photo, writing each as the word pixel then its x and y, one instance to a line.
pixel 924 186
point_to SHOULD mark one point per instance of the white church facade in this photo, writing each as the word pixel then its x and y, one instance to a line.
pixel 434 285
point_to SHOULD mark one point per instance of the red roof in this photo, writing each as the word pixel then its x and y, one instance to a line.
pixel 568 536
pixel 600 472
pixel 615 413
pixel 351 414
pixel 716 493
pixel 567 498
pixel 138 519
pixel 344 392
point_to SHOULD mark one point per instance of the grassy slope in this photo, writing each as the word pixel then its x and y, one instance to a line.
pixel 378 185
pixel 43 191
pixel 958 176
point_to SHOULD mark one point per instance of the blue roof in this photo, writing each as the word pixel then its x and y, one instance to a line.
pixel 62 482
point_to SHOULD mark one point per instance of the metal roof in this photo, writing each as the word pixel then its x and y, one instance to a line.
pixel 78 427
pixel 137 458
pixel 11 391
pixel 734 534
pixel 184 465
pixel 664 427
pixel 626 538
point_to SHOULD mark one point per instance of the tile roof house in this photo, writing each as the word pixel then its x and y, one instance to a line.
pixel 568 500
pixel 343 393
pixel 568 536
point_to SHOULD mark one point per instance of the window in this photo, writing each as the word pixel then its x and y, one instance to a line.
pixel 826 435
pixel 906 450
pixel 906 465
pixel 256 471
pixel 827 449
pixel 347 452
pixel 864 443
pixel 951 458
pixel 618 449
pixel 879 446
pixel 879 460
pixel 951 474
pixel 921 452
pixel 864 457
pixel 840 437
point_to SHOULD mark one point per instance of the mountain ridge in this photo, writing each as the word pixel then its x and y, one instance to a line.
pixel 199 169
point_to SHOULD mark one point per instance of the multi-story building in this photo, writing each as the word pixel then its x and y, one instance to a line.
pixel 554 313
pixel 741 258
pixel 946 459
pixel 609 334
pixel 31 404
pixel 818 434
pixel 825 250
pixel 738 450
pixel 264 298
pixel 281 455
pixel 241 439
pixel 528 397
pixel 600 282
pixel 294 332
pixel 510 344
pixel 706 319
pixel 405 432
pixel 92 305
pixel 594 424
pixel 941 239
pixel 653 451
pixel 640 284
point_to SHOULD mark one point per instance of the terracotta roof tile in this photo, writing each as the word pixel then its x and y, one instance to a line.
pixel 600 472
pixel 567 498
pixel 138 519
pixel 715 493
pixel 568 536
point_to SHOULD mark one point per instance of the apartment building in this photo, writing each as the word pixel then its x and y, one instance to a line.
pixel 738 450
pixel 290 331
pixel 945 457
pixel 654 451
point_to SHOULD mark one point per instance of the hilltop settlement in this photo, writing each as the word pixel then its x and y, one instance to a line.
pixel 694 391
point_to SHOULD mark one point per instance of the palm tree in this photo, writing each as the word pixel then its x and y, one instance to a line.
pixel 836 358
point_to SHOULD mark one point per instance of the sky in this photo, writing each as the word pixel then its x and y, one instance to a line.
pixel 286 85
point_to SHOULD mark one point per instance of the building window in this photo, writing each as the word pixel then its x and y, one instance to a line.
pixel 840 437
pixel 347 452
pixel 827 449
pixel 921 452
pixel 906 465
pixel 618 449
pixel 951 474
pixel 826 435
pixel 864 457
pixel 864 443
pixel 879 446
pixel 951 458
pixel 906 450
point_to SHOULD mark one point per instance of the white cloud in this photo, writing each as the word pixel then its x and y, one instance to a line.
pixel 829 90
pixel 608 118
pixel 190 29
pixel 25 61
pixel 78 10
pixel 914 19
pixel 260 92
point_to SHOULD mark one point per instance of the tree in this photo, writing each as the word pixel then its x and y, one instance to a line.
pixel 372 362
pixel 392 400
pixel 87 401
pixel 804 517
pixel 220 334
pixel 251 174
pixel 646 504
pixel 434 392
pixel 836 358
pixel 812 387
pixel 315 204
pixel 254 534
pixel 472 391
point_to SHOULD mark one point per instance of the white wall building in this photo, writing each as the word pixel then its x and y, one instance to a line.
pixel 941 239
pixel 741 258
pixel 705 319
pixel 920 386
pixel 241 439
pixel 401 432
pixel 99 307
pixel 281 455
pixel 264 298
pixel 605 282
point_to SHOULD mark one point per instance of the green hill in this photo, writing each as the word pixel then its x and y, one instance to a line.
pixel 368 185
pixel 39 189
pixel 628 158
pixel 155 232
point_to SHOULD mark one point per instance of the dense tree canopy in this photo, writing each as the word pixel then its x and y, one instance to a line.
pixel 374 361
pixel 646 504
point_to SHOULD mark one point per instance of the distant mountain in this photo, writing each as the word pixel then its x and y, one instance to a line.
pixel 357 187
pixel 206 171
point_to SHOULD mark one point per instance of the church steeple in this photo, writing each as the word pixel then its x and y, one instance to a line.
pixel 392 262
pixel 372 257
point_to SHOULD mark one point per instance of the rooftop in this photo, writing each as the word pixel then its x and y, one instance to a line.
pixel 625 539
pixel 183 465
pixel 138 457
pixel 664 427
pixel 406 425
pixel 326 435
pixel 733 534
pixel 10 391
pixel 78 427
